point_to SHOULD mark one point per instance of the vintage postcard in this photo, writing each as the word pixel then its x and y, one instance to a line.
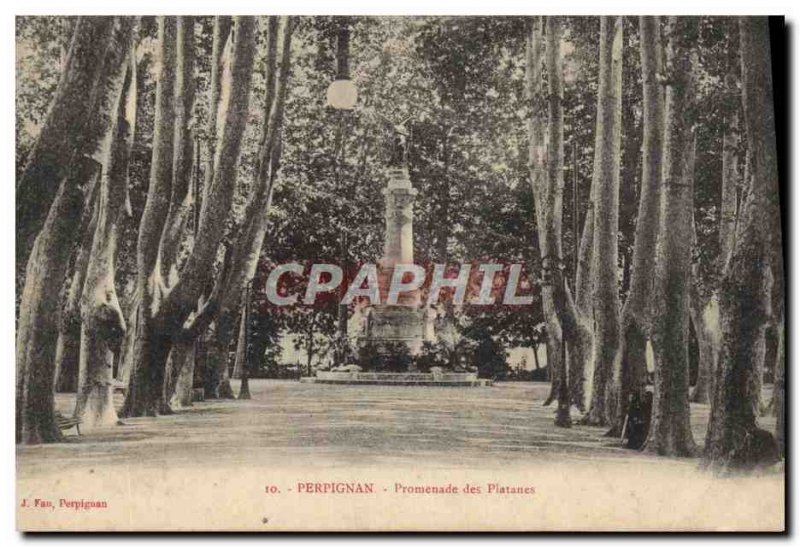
pixel 409 273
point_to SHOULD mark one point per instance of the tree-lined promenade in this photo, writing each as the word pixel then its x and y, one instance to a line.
pixel 149 471
pixel 629 166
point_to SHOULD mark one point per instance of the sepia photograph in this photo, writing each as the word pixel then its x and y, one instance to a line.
pixel 371 273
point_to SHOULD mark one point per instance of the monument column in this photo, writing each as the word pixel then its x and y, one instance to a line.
pixel 400 323
pixel 398 247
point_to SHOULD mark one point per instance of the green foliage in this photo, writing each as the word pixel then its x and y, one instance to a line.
pixel 431 355
pixel 489 355
pixel 368 357
pixel 41 44
pixel 389 357
pixel 458 82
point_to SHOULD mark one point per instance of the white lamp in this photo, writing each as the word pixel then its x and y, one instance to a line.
pixel 342 95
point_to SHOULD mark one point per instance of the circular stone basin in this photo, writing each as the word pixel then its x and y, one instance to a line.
pixel 452 379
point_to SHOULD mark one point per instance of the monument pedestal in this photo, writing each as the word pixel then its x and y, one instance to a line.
pixel 403 323
pixel 388 325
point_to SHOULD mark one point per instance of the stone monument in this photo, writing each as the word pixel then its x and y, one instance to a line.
pixel 407 322
pixel 403 322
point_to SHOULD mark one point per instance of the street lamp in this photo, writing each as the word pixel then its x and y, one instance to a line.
pixel 341 96
pixel 342 93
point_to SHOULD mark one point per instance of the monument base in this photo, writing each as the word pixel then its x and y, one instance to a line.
pixel 391 326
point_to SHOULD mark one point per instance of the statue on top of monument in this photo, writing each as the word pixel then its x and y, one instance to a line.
pixel 398 138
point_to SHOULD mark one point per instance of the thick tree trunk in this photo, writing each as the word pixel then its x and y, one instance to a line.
pixel 197 272
pixel 670 432
pixel 128 341
pixel 630 368
pixel 48 261
pixel 705 313
pixel 705 320
pixel 180 200
pixel 167 312
pixel 57 149
pixel 605 294
pixel 36 345
pixel 103 323
pixel 730 179
pixel 733 439
pixel 147 350
pixel 222 30
pixel 244 389
pixel 537 163
pixel 180 381
pixel 547 161
pixel 581 372
pixel 217 380
pixel 700 314
pixel 145 394
pixel 68 346
pixel 250 241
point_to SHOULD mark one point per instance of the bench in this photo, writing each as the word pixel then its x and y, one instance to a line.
pixel 68 422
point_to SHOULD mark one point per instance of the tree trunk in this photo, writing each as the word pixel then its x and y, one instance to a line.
pixel 48 261
pixel 240 369
pixel 128 341
pixel 733 439
pixel 629 376
pixel 250 240
pixel 581 373
pixel 547 177
pixel 605 294
pixel 150 346
pixel 730 179
pixel 240 356
pixel 700 310
pixel 670 432
pixel 537 164
pixel 702 318
pixel 68 346
pixel 167 312
pixel 780 394
pixel 181 380
pixel 182 161
pixel 244 389
pixel 47 265
pixel 222 30
pixel 218 382
pixel 57 149
pixel 310 347
pixel 103 323
pixel 705 313
pixel 179 384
